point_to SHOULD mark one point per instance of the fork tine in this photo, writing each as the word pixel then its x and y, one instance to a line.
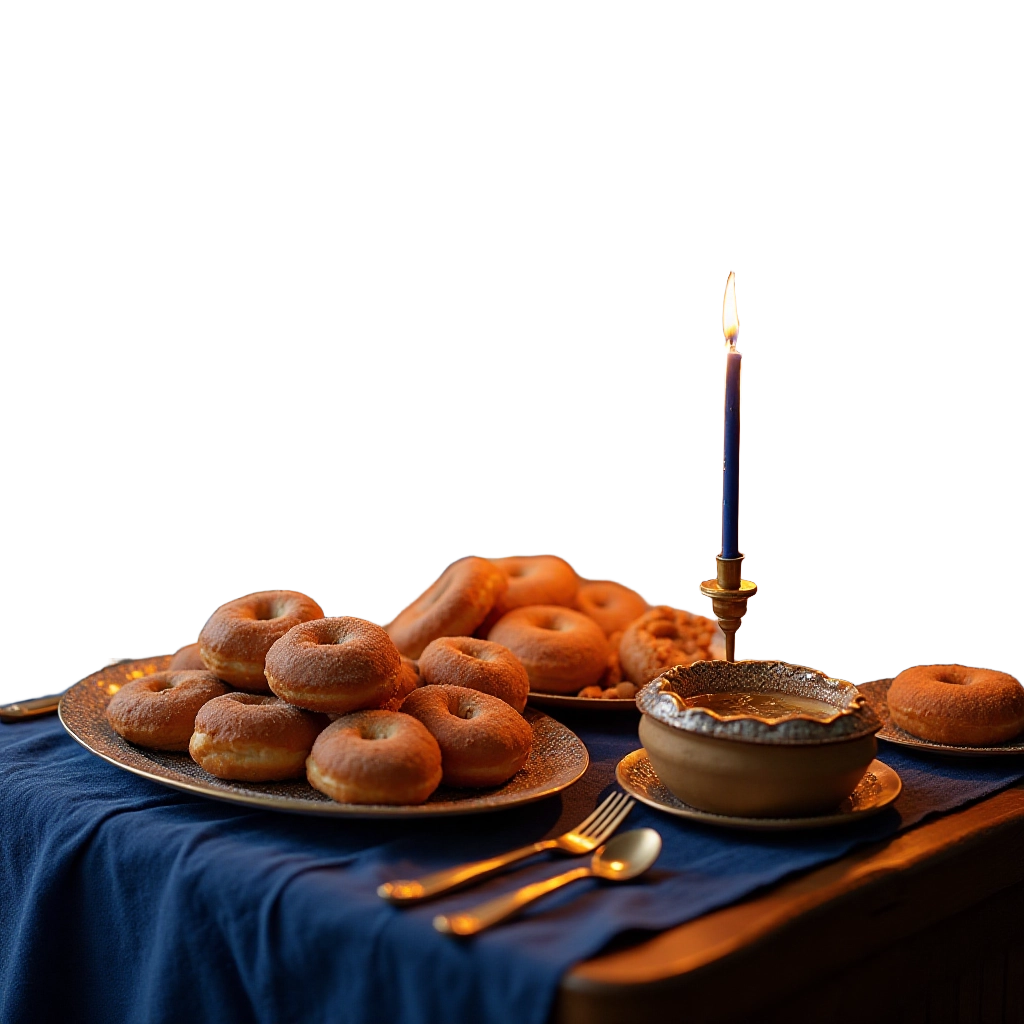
pixel 599 809
pixel 595 826
pixel 615 822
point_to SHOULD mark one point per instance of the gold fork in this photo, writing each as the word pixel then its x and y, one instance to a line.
pixel 588 835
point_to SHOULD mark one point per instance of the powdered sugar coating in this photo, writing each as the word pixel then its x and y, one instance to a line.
pixel 561 649
pixel 483 741
pixel 479 665
pixel 237 636
pixel 337 665
pixel 375 757
pixel 159 710
pixel 254 737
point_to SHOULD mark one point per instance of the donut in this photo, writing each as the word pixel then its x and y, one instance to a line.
pixel 477 665
pixel 187 657
pixel 254 737
pixel 408 679
pixel 532 579
pixel 375 757
pixel 661 638
pixel 483 741
pixel 454 605
pixel 235 640
pixel 956 705
pixel 562 650
pixel 159 711
pixel 611 605
pixel 340 664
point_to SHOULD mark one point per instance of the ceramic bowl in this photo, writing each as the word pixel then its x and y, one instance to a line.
pixel 750 766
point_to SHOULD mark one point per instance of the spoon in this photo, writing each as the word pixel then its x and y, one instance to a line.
pixel 624 857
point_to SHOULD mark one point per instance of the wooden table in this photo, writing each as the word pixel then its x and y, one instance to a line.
pixel 925 927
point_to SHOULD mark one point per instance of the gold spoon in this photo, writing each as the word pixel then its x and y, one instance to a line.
pixel 623 858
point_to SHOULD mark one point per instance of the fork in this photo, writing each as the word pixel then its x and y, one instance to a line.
pixel 588 835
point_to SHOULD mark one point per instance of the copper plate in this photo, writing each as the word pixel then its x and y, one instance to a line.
pixel 892 733
pixel 557 760
pixel 563 700
pixel 879 787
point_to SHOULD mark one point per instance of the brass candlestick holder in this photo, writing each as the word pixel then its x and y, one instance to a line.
pixel 729 596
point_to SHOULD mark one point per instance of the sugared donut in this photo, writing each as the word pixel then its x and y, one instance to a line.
pixel 611 605
pixel 340 665
pixel 663 637
pixel 235 640
pixel 159 711
pixel 960 706
pixel 478 665
pixel 535 579
pixel 562 650
pixel 483 741
pixel 187 657
pixel 254 737
pixel 408 679
pixel 532 580
pixel 375 757
pixel 454 605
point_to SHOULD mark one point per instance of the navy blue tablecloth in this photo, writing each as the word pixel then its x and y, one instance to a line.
pixel 122 900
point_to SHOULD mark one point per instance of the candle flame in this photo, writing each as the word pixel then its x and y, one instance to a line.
pixel 730 315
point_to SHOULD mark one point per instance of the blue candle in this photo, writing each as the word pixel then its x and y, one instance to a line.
pixel 731 461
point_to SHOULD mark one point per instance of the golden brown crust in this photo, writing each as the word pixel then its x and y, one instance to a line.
pixel 159 711
pixel 339 665
pixel 611 605
pixel 483 741
pixel 478 665
pixel 187 657
pixel 533 579
pixel 235 640
pixel 661 638
pixel 454 605
pixel 254 737
pixel 375 757
pixel 561 649
pixel 613 673
pixel 957 705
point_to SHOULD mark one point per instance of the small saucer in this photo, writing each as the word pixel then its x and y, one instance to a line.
pixel 876 791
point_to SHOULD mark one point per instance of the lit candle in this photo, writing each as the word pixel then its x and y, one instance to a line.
pixel 731 462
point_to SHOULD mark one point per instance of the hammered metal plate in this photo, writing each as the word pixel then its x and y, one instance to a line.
pixel 879 788
pixel 557 760
pixel 892 733
pixel 563 700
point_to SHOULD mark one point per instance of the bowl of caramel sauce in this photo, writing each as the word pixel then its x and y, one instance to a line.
pixel 757 738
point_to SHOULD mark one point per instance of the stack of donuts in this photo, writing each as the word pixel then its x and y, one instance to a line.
pixel 574 636
pixel 274 690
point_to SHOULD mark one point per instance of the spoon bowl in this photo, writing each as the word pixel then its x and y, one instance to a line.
pixel 627 855
pixel 622 858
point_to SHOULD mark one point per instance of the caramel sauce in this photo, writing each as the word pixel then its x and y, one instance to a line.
pixel 770 707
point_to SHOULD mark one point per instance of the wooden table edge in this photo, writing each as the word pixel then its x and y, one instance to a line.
pixel 721 933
